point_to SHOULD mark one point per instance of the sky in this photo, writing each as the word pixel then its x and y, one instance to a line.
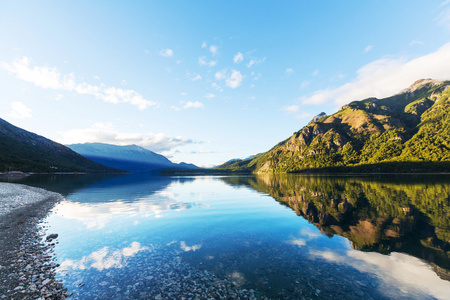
pixel 207 81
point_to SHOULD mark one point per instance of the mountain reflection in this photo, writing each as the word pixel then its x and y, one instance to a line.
pixel 394 213
pixel 123 185
pixel 99 200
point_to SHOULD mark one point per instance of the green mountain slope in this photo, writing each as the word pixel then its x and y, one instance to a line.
pixel 409 131
pixel 21 150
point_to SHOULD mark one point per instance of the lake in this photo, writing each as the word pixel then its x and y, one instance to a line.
pixel 252 237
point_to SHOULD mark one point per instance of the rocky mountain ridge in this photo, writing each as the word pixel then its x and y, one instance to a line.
pixel 390 134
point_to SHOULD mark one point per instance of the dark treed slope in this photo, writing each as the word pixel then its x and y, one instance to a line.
pixel 21 150
pixel 409 131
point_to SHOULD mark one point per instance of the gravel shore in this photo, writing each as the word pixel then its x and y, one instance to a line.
pixel 27 269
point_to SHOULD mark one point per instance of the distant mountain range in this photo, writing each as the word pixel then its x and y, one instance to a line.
pixel 21 150
pixel 130 158
pixel 408 132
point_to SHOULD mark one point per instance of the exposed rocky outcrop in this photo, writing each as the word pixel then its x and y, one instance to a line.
pixel 382 134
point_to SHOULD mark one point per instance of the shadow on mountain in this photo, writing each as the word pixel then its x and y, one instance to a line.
pixel 387 213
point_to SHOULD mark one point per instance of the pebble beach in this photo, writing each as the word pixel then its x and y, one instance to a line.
pixel 27 268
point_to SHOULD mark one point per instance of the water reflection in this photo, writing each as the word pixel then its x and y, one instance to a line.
pixel 123 186
pixel 131 237
pixel 96 201
pixel 394 213
pixel 104 258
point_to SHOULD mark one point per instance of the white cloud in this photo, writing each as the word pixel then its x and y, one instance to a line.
pixel 44 77
pixel 213 49
pixel 291 108
pixel 386 77
pixel 195 104
pixel 196 77
pixel 368 48
pixel 289 71
pixel 210 95
pixel 239 57
pixel 217 87
pixel 106 133
pixel 255 61
pixel 315 73
pixel 20 111
pixel 234 80
pixel 221 74
pixel 204 45
pixel 203 62
pixel 50 78
pixel 166 52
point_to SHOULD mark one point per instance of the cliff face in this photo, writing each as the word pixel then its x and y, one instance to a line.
pixel 412 126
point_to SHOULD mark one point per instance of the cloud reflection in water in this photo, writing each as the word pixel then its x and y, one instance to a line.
pixel 105 258
pixel 97 215
pixel 186 248
pixel 408 273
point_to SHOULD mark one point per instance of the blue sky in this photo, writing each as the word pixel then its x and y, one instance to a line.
pixel 207 81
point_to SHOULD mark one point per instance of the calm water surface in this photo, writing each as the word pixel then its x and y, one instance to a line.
pixel 290 237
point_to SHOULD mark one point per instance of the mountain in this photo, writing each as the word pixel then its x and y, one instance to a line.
pixel 236 160
pixel 407 132
pixel 28 152
pixel 131 158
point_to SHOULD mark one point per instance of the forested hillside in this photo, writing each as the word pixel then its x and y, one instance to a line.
pixel 407 132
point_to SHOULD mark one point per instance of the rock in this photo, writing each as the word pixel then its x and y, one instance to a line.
pixel 46 281
pixel 52 236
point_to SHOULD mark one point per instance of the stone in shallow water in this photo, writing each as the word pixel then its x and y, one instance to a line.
pixel 46 281
pixel 52 236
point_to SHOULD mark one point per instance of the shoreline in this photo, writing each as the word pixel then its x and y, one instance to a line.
pixel 27 267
